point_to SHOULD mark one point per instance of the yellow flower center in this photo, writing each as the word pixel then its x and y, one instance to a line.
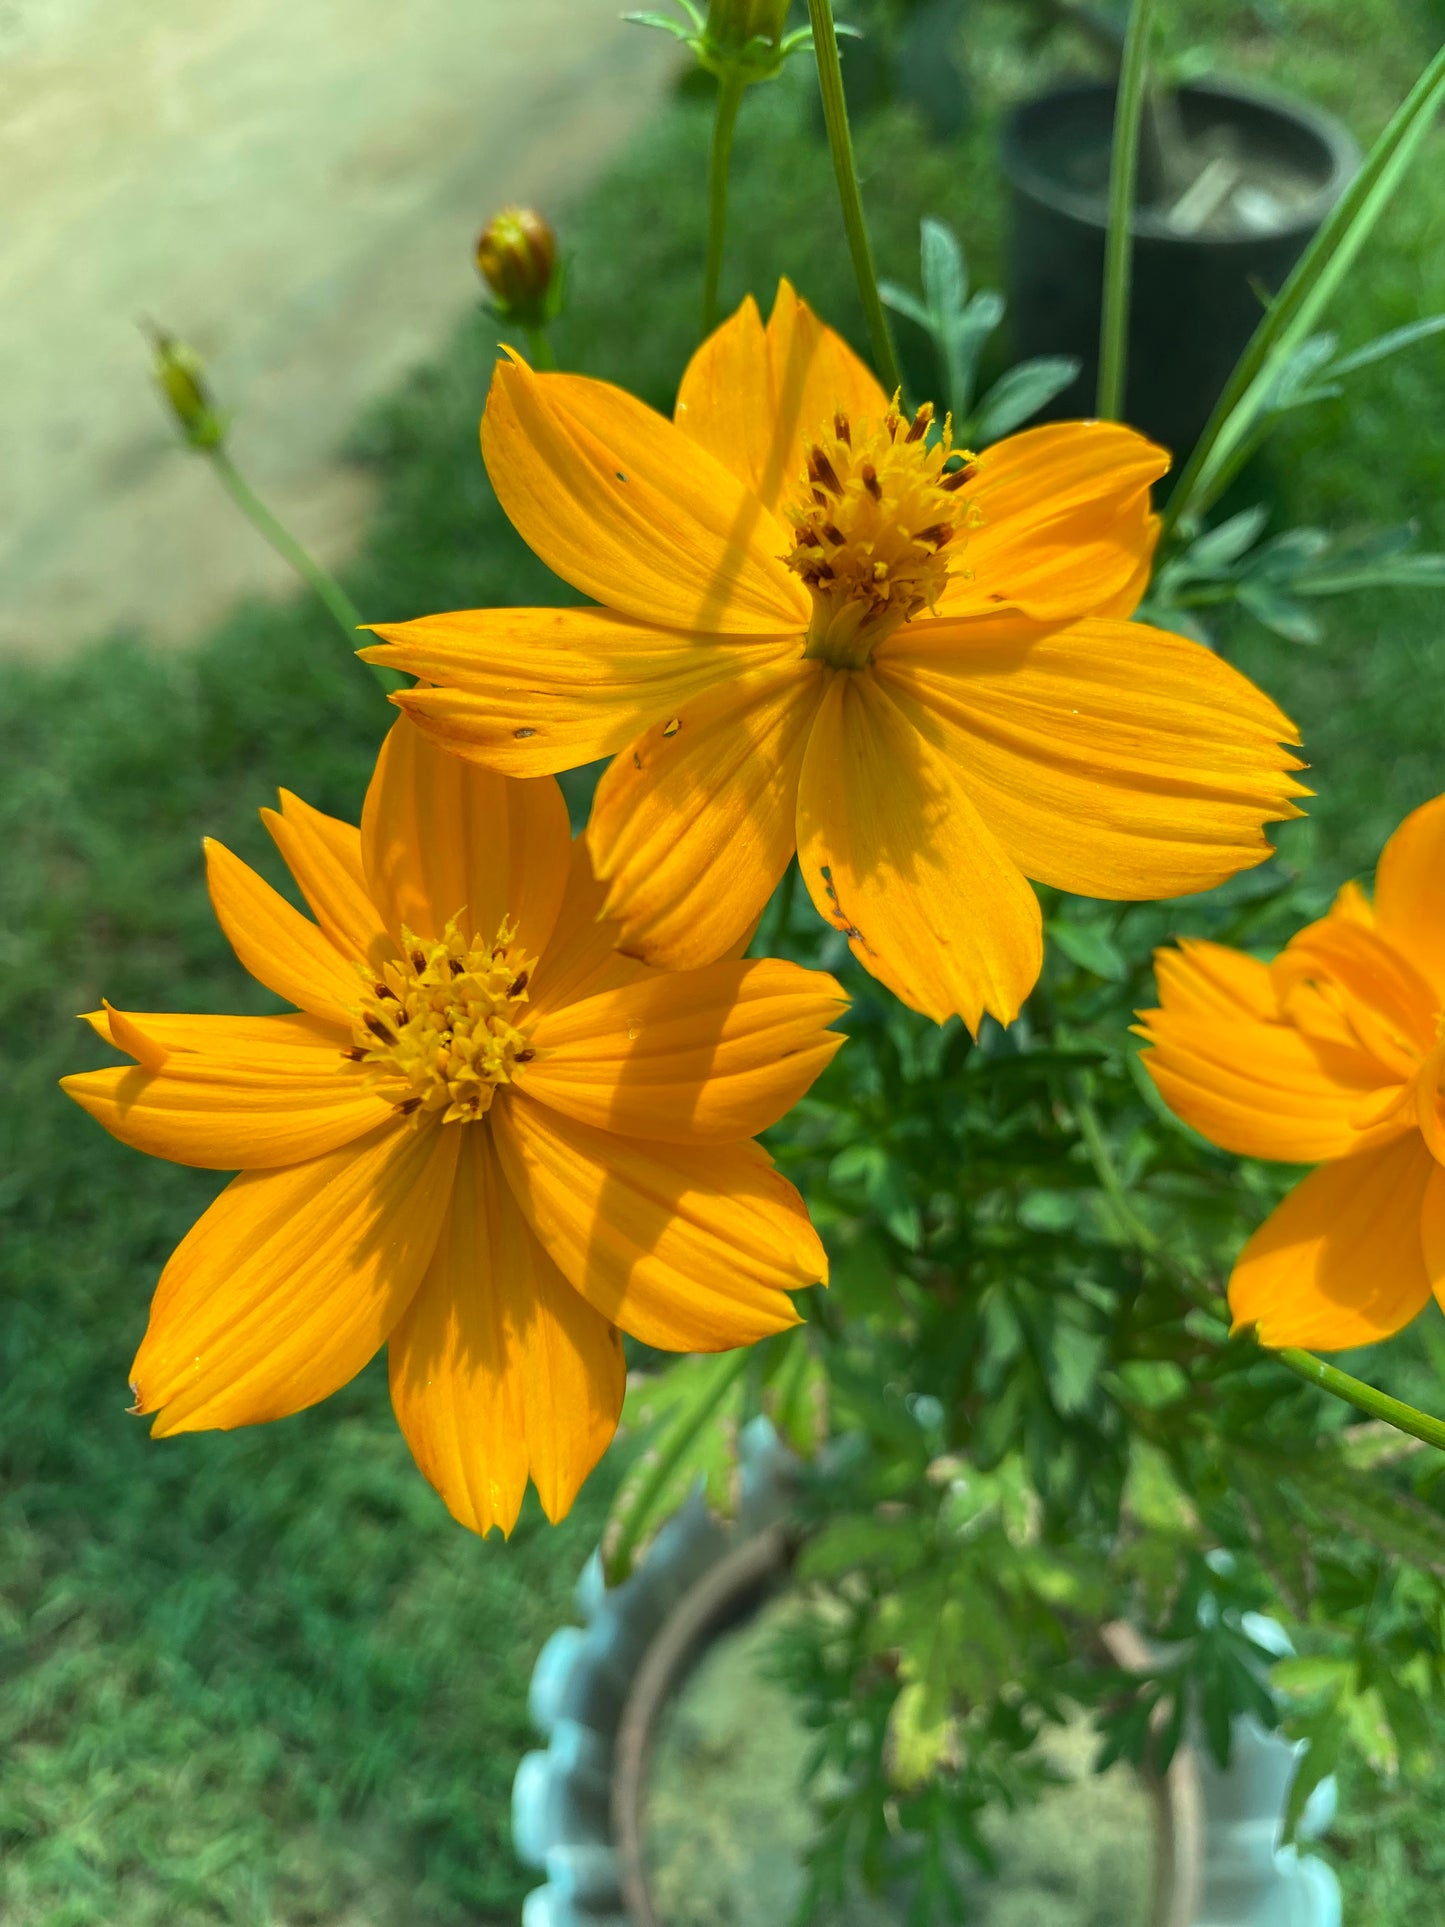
pixel 882 505
pixel 439 1031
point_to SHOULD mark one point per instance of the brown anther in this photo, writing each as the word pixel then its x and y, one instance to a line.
pixel 834 534
pixel 524 1056
pixel 354 1053
pixel 892 421
pixel 822 470
pixel 842 430
pixel 411 1104
pixel 825 572
pixel 385 990
pixel 921 423
pixel 379 1029
pixel 519 984
pixel 938 536
pixel 871 482
pixel 956 477
pixel 820 498
pixel 456 966
pixel 418 961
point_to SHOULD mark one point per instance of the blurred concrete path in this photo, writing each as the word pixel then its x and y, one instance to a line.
pixel 292 185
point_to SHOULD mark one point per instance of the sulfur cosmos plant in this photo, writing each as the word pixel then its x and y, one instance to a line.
pixel 1334 1055
pixel 822 628
pixel 483 1139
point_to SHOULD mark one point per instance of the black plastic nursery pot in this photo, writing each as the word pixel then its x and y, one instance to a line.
pixel 1205 258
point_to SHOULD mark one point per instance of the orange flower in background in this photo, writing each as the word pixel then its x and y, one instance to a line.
pixel 1334 1055
pixel 818 633
pixel 485 1140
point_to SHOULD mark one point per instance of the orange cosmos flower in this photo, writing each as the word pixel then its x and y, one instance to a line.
pixel 484 1139
pixel 1334 1055
pixel 816 634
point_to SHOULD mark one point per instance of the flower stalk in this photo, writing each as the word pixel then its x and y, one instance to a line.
pixel 840 143
pixel 1119 241
pixel 180 376
pixel 1364 1398
pixel 730 87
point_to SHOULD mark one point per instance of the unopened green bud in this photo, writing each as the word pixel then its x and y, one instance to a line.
pixel 741 40
pixel 181 377
pixel 733 26
pixel 517 258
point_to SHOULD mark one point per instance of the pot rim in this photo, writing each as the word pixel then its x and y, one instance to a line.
pixel 1089 210
pixel 761 1563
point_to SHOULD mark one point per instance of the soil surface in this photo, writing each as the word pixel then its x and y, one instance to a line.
pixel 294 187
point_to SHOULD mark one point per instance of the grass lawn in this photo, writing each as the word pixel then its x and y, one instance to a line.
pixel 261 1677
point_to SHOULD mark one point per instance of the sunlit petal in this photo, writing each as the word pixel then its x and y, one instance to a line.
pixel 292 1281
pixel 1340 1262
pixel 498 1367
pixel 688 1247
pixel 895 855
pixel 628 509
pixel 719 1053
pixel 440 836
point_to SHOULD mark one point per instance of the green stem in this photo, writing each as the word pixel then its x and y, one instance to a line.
pixel 1119 243
pixel 1364 1398
pixel 539 348
pixel 1314 1371
pixel 1316 276
pixel 729 96
pixel 840 141
pixel 319 580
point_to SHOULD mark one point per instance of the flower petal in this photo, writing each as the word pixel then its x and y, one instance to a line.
pixel 1225 1061
pixel 581 957
pixel 532 691
pixel 1410 891
pixel 753 399
pixel 324 856
pixel 246 1099
pixel 725 397
pixel 1108 758
pixel 279 947
pixel 1340 1263
pixel 292 1281
pixel 895 855
pixel 1370 989
pixel 440 836
pixel 693 826
pixel 1067 529
pixel 688 1247
pixel 718 1053
pixel 498 1368
pixel 1432 1231
pixel 628 509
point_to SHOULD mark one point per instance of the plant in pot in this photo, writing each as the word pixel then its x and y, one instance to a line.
pixel 1232 183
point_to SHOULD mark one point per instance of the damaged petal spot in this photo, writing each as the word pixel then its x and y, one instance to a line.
pixel 671 729
pixel 522 734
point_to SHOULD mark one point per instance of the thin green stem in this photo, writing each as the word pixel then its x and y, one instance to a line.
pixel 840 141
pixel 319 580
pixel 1364 1398
pixel 1119 243
pixel 729 97
pixel 1315 278
pixel 539 347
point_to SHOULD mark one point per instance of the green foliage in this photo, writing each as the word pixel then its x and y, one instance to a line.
pixel 262 1676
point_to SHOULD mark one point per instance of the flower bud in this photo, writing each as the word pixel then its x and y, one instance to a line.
pixel 517 258
pixel 181 377
pixel 733 26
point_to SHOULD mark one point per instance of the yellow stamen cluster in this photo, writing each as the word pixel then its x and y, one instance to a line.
pixel 878 510
pixel 438 1030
